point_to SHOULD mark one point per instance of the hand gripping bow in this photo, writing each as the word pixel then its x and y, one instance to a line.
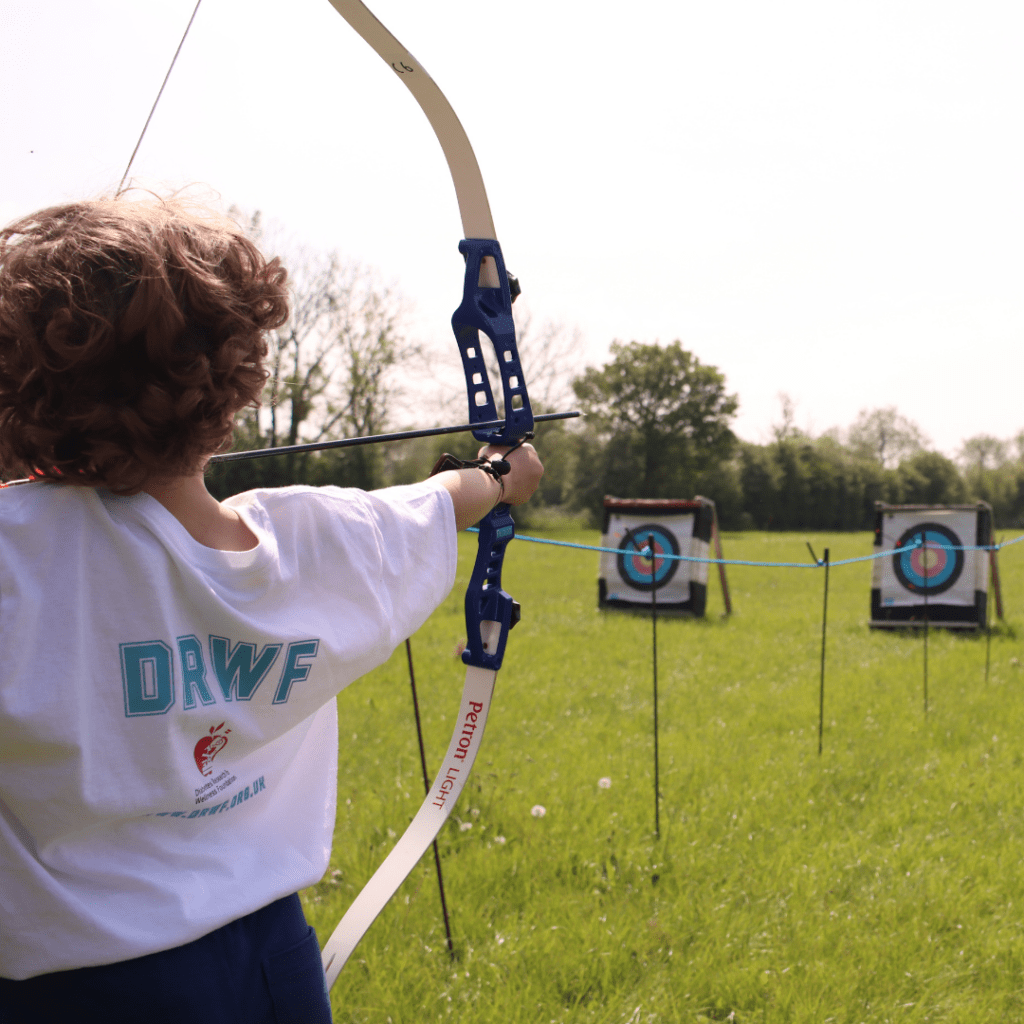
pixel 486 310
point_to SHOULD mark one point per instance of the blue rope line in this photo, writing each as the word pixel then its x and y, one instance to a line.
pixel 1007 543
pixel 644 552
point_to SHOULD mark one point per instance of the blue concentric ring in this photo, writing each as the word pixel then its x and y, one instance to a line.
pixel 635 569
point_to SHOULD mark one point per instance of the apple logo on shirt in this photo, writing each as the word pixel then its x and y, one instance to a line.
pixel 209 747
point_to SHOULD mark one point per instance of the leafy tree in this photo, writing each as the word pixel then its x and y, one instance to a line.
pixel 656 420
pixel 992 475
pixel 721 483
pixel 761 479
pixel 786 429
pixel 983 452
pixel 929 478
pixel 811 483
pixel 549 351
pixel 332 375
pixel 885 436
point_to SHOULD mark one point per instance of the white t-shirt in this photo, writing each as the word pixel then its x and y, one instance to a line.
pixel 168 733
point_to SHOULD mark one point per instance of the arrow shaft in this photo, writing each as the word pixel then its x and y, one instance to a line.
pixel 401 435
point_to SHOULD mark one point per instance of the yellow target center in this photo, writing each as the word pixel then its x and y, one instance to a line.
pixel 929 560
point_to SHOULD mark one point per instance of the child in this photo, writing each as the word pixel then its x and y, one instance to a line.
pixel 168 733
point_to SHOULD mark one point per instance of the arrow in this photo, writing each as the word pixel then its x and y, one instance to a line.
pixel 401 435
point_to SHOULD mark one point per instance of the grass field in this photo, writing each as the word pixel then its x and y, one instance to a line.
pixel 883 881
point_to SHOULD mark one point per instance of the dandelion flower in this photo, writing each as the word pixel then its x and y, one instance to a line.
pixel 604 783
pixel 537 811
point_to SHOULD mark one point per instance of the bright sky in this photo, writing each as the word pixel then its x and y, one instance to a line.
pixel 823 199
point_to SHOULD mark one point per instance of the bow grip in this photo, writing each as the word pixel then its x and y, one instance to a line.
pixel 490 612
pixel 488 310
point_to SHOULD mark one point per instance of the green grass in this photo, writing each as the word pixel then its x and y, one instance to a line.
pixel 882 881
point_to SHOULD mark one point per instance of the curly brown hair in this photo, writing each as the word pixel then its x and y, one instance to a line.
pixel 131 332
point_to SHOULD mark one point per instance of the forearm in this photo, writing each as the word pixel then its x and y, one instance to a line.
pixel 475 492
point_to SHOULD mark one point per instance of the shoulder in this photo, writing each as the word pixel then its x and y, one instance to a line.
pixel 38 500
pixel 426 499
pixel 360 526
pixel 46 528
pixel 371 534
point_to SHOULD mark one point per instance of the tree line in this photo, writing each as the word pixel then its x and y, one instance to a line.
pixel 659 426
pixel 657 423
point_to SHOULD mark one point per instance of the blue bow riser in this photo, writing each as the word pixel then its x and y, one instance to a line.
pixel 486 602
pixel 489 310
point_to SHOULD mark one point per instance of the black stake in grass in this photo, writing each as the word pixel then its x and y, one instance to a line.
pixel 426 786
pixel 988 638
pixel 824 630
pixel 924 564
pixel 654 662
pixel 988 623
pixel 824 626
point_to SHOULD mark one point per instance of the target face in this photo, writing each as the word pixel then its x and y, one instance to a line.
pixel 932 568
pixel 635 569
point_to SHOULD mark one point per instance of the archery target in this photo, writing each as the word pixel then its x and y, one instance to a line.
pixel 635 568
pixel 935 566
pixel 625 578
pixel 944 579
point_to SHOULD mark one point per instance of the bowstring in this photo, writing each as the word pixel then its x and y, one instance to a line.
pixel 152 111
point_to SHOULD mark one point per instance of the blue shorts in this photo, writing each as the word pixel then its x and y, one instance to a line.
pixel 261 969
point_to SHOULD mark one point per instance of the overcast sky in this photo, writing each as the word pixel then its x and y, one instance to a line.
pixel 822 199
